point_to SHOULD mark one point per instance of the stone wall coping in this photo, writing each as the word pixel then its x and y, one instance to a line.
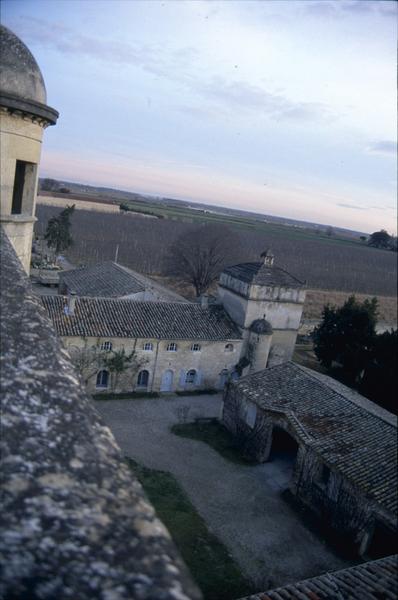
pixel 75 522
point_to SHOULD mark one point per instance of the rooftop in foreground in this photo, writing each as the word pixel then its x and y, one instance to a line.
pixel 376 580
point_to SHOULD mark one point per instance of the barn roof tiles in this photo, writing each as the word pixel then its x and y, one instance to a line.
pixel 257 273
pixel 107 279
pixel 353 435
pixel 374 580
pixel 125 318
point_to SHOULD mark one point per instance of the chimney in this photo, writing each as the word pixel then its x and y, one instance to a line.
pixel 268 258
pixel 204 301
pixel 71 303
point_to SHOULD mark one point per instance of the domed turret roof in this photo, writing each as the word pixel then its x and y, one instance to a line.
pixel 20 74
pixel 21 82
pixel 261 326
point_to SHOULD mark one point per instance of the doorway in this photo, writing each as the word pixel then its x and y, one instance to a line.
pixel 166 384
pixel 282 457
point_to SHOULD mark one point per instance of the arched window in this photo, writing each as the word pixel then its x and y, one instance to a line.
pixel 106 346
pixel 195 348
pixel 172 347
pixel 148 346
pixel 102 379
pixel 143 378
pixel 229 348
pixel 190 376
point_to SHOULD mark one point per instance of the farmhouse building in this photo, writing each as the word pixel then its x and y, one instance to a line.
pixel 112 280
pixel 23 116
pixel 261 304
pixel 177 346
pixel 345 447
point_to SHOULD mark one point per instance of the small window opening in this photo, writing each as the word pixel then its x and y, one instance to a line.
pixel 148 347
pixel 195 348
pixel 106 346
pixel 172 347
pixel 19 183
pixel 229 348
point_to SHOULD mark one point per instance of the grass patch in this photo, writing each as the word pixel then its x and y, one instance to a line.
pixel 213 433
pixel 213 569
pixel 125 395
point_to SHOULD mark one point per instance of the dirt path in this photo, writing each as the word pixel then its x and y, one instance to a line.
pixel 242 505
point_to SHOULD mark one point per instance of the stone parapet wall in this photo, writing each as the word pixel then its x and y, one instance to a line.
pixel 75 523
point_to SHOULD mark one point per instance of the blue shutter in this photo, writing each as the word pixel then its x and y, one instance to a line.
pixel 199 378
pixel 181 382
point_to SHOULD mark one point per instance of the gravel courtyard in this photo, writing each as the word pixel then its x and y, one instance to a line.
pixel 240 504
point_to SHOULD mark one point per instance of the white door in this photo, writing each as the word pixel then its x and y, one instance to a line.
pixel 167 381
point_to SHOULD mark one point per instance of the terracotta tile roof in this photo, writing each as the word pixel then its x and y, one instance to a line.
pixel 353 435
pixel 375 580
pixel 258 273
pixel 107 279
pixel 109 317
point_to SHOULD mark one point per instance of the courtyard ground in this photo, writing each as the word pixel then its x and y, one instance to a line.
pixel 242 505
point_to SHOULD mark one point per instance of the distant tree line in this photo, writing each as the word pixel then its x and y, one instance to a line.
pixel 52 185
pixel 346 342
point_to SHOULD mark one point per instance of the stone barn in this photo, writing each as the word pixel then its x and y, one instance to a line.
pixel 342 446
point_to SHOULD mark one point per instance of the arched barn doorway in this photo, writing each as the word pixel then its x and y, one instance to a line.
pixel 283 456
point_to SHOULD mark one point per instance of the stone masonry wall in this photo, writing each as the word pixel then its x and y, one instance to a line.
pixel 75 524
pixel 208 362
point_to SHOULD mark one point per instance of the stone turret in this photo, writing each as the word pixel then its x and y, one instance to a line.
pixel 23 116
pixel 267 303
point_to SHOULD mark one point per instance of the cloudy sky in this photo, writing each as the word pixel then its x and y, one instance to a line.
pixel 281 107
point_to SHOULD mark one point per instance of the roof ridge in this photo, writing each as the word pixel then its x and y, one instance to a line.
pixel 287 273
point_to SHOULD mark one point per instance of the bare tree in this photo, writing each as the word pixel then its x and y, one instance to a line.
pixel 89 359
pixel 199 255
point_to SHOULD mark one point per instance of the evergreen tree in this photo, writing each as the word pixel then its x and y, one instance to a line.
pixel 346 336
pixel 58 234
pixel 380 239
pixel 380 382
